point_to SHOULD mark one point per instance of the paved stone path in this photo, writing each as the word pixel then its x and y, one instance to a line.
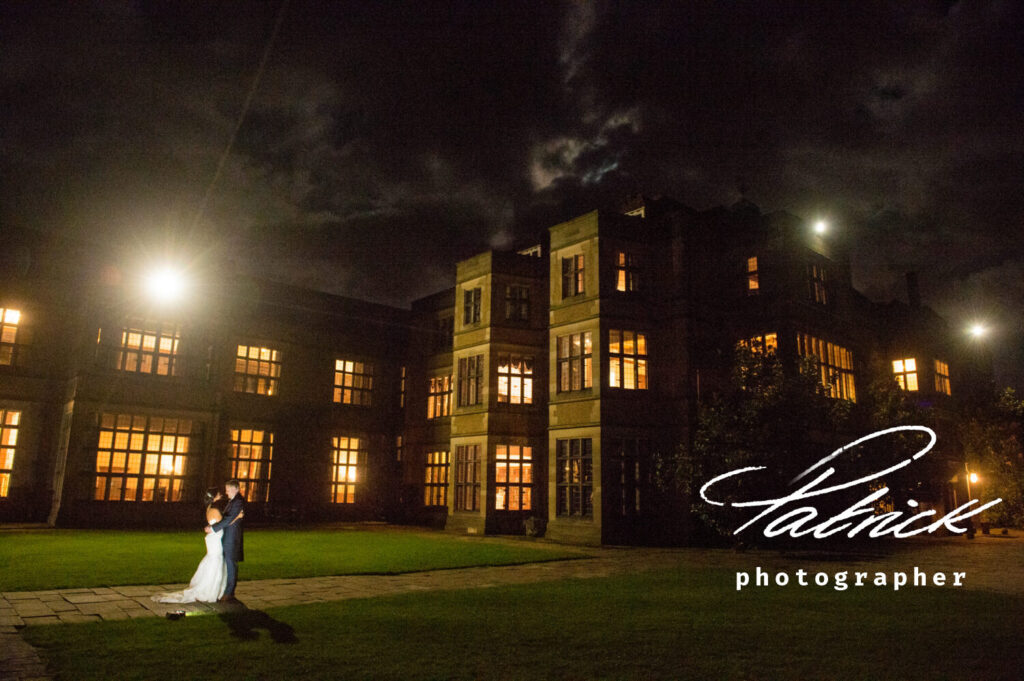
pixel 19 661
pixel 28 608
pixel 992 564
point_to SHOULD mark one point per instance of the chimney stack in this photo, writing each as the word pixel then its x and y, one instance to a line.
pixel 913 292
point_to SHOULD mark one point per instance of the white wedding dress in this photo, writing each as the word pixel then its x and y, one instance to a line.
pixel 210 579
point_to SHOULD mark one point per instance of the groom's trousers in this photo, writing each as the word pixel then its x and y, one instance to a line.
pixel 232 565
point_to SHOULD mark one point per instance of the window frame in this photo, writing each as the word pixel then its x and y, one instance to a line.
pixel 253 488
pixel 359 391
pixel 517 303
pixel 272 379
pixel 619 360
pixel 505 488
pixel 471 305
pixel 762 344
pixel 574 276
pixel 439 396
pixel 10 324
pixel 627 272
pixel 625 467
pixel 574 485
pixel 470 380
pixel 158 358
pixel 835 363
pixel 349 466
pixel 817 275
pixel 942 385
pixel 572 365
pixel 10 424
pixel 523 378
pixel 753 276
pixel 436 467
pixel 467 478
pixel 906 372
pixel 129 439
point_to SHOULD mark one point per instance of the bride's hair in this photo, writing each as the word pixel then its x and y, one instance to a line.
pixel 209 495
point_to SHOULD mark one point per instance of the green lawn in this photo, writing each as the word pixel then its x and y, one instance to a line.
pixel 55 559
pixel 681 624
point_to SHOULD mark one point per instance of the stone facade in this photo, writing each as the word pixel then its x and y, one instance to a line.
pixel 536 392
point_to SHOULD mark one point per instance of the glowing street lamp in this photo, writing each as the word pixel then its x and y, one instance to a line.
pixel 820 227
pixel 165 285
pixel 977 330
pixel 972 479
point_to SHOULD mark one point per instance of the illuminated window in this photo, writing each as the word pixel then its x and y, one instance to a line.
pixel 8 334
pixel 753 276
pixel 627 272
pixel 766 344
pixel 435 486
pixel 574 362
pixel 401 389
pixel 625 466
pixel 575 478
pixel 941 377
pixel 572 276
pixel 467 478
pixel 906 373
pixel 817 284
pixel 9 422
pixel 627 360
pixel 141 458
pixel 836 364
pixel 515 379
pixel 353 382
pixel 471 371
pixel 149 348
pixel 517 303
pixel 348 470
pixel 471 306
pixel 257 370
pixel 439 401
pixel 513 478
pixel 251 453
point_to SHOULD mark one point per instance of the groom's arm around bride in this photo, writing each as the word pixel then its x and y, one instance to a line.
pixel 232 539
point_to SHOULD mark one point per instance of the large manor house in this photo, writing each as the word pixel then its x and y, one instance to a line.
pixel 531 393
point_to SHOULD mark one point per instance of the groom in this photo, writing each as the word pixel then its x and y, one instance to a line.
pixel 234 549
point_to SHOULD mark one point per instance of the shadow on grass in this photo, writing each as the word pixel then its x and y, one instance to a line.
pixel 244 624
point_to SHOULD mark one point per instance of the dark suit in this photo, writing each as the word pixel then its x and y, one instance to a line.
pixel 232 540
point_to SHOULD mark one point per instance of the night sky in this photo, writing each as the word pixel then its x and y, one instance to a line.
pixel 387 140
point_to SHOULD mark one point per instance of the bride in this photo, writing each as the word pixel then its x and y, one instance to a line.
pixel 211 576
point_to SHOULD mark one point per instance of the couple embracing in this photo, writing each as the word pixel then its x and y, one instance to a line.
pixel 217 573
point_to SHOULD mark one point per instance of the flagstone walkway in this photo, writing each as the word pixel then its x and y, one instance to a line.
pixel 27 608
pixel 20 662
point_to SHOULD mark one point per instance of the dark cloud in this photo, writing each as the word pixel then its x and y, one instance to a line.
pixel 387 139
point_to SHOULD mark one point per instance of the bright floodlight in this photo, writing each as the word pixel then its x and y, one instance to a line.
pixel 977 330
pixel 974 477
pixel 820 227
pixel 165 285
